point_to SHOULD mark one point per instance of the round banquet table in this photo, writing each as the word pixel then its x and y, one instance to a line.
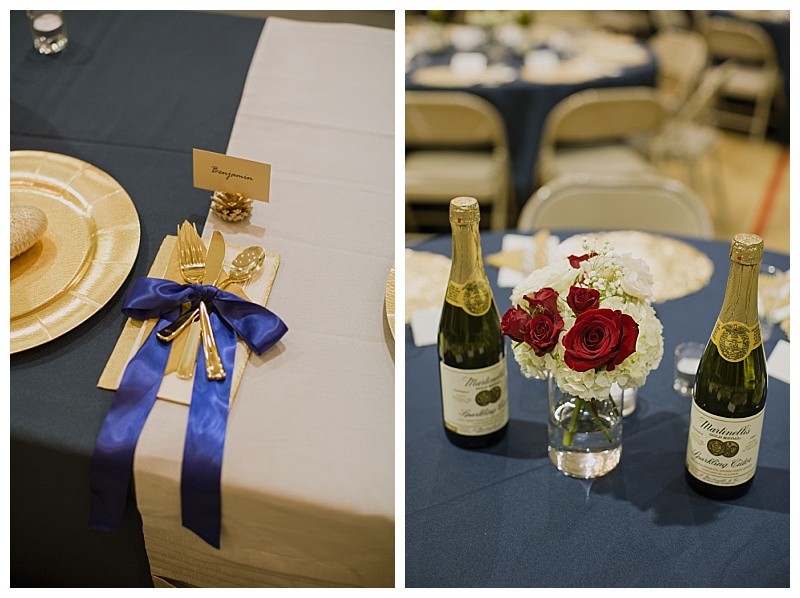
pixel 525 105
pixel 504 516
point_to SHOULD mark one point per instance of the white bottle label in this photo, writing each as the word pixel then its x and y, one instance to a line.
pixel 723 451
pixel 475 401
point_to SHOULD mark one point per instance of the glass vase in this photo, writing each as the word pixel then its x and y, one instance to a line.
pixel 584 435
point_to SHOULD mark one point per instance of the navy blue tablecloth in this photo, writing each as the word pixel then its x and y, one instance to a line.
pixel 132 94
pixel 504 516
pixel 524 107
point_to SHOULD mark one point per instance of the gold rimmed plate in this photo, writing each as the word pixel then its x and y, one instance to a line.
pixel 85 255
pixel 390 299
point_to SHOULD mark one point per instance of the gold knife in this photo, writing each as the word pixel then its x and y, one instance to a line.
pixel 214 259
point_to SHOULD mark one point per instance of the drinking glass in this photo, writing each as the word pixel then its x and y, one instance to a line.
pixel 687 358
pixel 49 30
pixel 773 293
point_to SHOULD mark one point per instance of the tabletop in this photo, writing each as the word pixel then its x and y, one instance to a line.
pixel 83 103
pixel 503 516
pixel 525 103
pixel 132 94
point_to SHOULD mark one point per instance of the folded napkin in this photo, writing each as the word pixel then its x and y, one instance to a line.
pixel 522 254
pixel 425 326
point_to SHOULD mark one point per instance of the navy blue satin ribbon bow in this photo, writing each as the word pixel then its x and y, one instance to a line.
pixel 112 461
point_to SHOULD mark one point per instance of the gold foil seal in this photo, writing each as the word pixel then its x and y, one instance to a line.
pixel 747 249
pixel 474 297
pixel 464 210
pixel 736 340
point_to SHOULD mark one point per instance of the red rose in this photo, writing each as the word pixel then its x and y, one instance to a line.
pixel 515 323
pixel 543 331
pixel 575 260
pixel 544 302
pixel 581 299
pixel 600 338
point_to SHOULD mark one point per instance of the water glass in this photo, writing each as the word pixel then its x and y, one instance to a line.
pixel 773 293
pixel 49 30
pixel 687 358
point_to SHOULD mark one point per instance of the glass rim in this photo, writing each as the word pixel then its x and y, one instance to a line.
pixel 687 344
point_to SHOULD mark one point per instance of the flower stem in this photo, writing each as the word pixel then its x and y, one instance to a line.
pixel 596 418
pixel 569 433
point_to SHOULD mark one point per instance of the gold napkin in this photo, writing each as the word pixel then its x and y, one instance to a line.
pixel 785 327
pixel 166 265
pixel 515 258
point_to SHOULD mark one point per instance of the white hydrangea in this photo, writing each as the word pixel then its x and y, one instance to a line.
pixel 624 284
pixel 559 276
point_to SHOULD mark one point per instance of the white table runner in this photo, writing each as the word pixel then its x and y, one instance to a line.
pixel 308 471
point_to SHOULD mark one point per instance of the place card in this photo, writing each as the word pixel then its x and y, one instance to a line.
pixel 218 172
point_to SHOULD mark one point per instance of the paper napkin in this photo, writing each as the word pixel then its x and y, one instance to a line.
pixel 778 362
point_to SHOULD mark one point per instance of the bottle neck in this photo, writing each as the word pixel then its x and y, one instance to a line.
pixel 467 261
pixel 741 295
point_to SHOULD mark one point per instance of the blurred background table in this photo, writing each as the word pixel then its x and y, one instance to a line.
pixel 132 94
pixel 524 97
pixel 504 516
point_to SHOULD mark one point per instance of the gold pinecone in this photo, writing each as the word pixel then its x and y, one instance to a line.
pixel 232 207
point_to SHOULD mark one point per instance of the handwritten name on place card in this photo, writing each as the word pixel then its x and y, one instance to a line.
pixel 218 172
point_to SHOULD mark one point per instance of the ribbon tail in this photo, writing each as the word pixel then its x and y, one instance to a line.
pixel 112 460
pixel 201 500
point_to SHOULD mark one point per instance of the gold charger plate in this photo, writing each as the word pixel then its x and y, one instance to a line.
pixel 678 269
pixel 425 280
pixel 575 70
pixel 442 75
pixel 390 299
pixel 85 255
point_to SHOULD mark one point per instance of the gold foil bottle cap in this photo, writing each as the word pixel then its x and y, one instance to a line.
pixel 464 210
pixel 747 249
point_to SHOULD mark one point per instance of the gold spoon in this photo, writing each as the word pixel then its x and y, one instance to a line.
pixel 245 265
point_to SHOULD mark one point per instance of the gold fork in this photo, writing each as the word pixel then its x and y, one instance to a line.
pixel 192 264
pixel 192 254
pixel 193 269
pixel 191 273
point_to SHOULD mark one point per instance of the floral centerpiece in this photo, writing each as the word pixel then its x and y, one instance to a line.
pixel 587 322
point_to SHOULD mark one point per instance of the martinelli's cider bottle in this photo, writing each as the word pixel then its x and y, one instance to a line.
pixel 731 386
pixel 472 357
